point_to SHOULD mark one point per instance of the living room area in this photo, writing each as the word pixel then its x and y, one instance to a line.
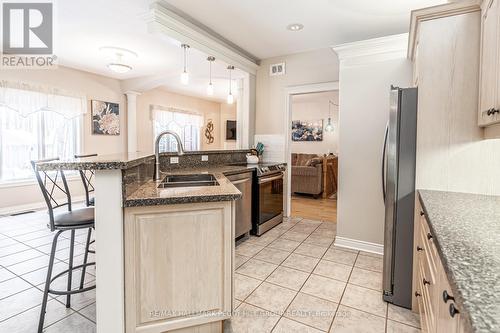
pixel 314 160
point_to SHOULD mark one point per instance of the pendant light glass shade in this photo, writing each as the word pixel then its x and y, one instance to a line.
pixel 185 75
pixel 230 97
pixel 210 87
pixel 329 125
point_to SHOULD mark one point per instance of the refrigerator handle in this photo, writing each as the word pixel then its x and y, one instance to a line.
pixel 384 151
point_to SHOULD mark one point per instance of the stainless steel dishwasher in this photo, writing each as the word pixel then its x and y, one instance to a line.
pixel 243 215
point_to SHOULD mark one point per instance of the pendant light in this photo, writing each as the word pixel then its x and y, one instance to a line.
pixel 185 75
pixel 230 97
pixel 329 125
pixel 210 87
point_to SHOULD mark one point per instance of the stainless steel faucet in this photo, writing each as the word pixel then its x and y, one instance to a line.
pixel 180 150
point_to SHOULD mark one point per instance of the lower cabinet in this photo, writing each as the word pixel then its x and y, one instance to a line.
pixel 178 267
pixel 432 293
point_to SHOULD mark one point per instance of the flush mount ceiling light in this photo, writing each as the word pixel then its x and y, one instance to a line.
pixel 119 68
pixel 210 87
pixel 119 58
pixel 185 75
pixel 230 97
pixel 295 27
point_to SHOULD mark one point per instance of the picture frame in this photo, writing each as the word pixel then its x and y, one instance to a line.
pixel 105 118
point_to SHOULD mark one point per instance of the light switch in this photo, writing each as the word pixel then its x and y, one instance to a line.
pixel 204 158
pixel 174 160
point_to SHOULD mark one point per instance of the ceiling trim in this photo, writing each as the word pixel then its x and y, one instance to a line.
pixel 167 20
pixel 431 13
pixel 370 50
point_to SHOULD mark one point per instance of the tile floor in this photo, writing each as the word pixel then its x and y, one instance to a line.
pixel 25 243
pixel 292 279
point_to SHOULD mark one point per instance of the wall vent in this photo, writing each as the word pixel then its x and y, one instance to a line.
pixel 277 69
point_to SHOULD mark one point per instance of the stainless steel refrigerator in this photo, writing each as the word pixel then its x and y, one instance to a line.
pixel 398 184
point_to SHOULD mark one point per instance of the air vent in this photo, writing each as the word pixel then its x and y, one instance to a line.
pixel 277 69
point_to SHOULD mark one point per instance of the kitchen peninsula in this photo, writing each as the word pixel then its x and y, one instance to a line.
pixel 164 249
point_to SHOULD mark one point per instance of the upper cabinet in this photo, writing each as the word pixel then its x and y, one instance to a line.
pixel 489 96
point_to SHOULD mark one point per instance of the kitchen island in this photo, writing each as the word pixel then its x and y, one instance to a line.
pixel 164 253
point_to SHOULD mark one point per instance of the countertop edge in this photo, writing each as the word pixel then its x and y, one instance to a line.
pixel 459 299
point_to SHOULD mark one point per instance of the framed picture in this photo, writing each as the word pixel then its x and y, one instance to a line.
pixel 105 118
pixel 307 130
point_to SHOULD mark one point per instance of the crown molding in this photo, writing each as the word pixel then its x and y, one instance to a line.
pixel 372 50
pixel 436 12
pixel 167 20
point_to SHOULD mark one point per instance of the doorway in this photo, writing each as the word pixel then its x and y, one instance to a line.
pixel 312 152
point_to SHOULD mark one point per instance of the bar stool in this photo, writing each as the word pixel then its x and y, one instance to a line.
pixel 87 177
pixel 71 220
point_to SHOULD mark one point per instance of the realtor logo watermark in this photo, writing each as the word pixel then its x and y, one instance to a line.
pixel 28 35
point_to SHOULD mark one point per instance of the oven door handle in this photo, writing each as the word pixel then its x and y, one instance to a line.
pixel 270 179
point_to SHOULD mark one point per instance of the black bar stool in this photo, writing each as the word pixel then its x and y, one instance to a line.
pixel 87 179
pixel 70 220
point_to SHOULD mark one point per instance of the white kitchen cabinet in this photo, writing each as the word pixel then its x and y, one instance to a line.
pixel 489 96
pixel 178 267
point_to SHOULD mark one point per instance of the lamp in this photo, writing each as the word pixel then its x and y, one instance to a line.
pixel 230 97
pixel 185 75
pixel 329 126
pixel 210 87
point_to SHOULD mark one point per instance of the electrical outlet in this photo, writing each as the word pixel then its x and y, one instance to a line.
pixel 204 158
pixel 174 160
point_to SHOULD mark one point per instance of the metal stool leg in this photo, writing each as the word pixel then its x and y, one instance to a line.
pixel 47 282
pixel 70 272
pixel 85 257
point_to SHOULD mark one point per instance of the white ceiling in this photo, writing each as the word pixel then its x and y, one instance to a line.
pixel 259 26
pixel 84 26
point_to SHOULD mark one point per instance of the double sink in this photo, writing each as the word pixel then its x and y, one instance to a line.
pixel 188 181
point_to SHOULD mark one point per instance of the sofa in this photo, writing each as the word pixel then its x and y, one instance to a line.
pixel 307 174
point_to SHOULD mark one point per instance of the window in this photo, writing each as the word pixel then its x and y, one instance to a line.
pixel 187 124
pixel 36 125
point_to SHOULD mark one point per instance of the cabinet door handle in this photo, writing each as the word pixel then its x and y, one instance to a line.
pixel 422 213
pixel 453 310
pixel 429 236
pixel 489 112
pixel 417 294
pixel 419 248
pixel 493 111
pixel 447 297
pixel 424 281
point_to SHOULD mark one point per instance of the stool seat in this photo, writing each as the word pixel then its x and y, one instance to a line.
pixel 83 217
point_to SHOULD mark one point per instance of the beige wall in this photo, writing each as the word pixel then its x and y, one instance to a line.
pixel 315 107
pixel 364 111
pixel 159 96
pixel 93 87
pixel 303 68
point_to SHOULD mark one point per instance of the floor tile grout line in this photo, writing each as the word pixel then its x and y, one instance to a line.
pixel 305 281
pixel 343 292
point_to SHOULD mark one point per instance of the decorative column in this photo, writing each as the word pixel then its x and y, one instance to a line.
pixel 132 120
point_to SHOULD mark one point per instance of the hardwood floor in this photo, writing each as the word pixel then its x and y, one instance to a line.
pixel 314 209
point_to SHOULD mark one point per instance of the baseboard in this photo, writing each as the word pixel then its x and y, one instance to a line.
pixel 359 245
pixel 32 206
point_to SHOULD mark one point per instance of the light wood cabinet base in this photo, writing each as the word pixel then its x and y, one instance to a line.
pixel 178 267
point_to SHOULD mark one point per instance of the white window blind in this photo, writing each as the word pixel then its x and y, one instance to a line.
pixel 36 123
pixel 186 124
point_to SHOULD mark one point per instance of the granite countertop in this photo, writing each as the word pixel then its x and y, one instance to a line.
pixel 466 228
pixel 119 161
pixel 149 194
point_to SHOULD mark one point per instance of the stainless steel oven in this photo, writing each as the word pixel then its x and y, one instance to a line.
pixel 268 198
